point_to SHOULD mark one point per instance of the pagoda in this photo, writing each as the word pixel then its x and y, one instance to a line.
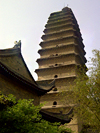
pixel 62 51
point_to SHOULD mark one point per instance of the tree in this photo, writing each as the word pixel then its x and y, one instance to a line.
pixel 87 94
pixel 23 117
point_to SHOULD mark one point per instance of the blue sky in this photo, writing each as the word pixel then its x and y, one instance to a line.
pixel 25 20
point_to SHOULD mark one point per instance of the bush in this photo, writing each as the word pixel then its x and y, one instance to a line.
pixel 23 117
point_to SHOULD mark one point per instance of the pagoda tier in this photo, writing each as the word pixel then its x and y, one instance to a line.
pixel 45 52
pixel 62 50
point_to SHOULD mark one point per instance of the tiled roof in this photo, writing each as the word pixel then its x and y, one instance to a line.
pixel 13 64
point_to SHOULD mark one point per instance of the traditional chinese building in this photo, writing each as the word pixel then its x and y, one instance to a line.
pixel 62 51
pixel 16 79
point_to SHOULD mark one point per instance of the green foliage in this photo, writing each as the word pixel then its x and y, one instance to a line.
pixel 23 117
pixel 87 93
pixel 6 101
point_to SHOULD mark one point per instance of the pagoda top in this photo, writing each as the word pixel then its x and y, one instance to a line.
pixel 63 10
pixel 66 8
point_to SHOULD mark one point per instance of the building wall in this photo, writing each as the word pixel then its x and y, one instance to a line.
pixel 20 91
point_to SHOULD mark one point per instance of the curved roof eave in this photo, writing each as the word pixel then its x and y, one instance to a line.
pixel 40 89
pixel 57 117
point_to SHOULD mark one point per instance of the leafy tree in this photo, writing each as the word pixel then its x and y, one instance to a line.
pixel 87 94
pixel 23 117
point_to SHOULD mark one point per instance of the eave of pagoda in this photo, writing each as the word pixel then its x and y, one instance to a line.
pixel 59 22
pixel 57 117
pixel 59 17
pixel 57 66
pixel 58 106
pixel 66 32
pixel 60 27
pixel 50 48
pixel 82 51
pixel 69 77
pixel 83 59
pixel 61 40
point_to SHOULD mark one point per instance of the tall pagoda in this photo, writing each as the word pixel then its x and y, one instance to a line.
pixel 62 50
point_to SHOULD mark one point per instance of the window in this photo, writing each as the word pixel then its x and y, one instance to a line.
pixel 54 103
pixel 56 64
pixel 56 76
pixel 56 54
